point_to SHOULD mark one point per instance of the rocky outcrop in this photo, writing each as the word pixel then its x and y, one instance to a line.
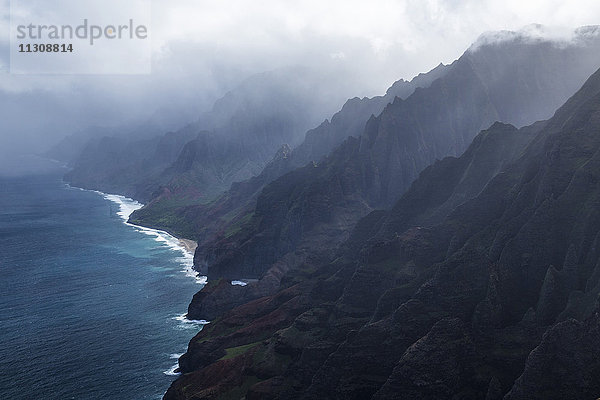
pixel 443 364
pixel 566 364
pixel 496 297
pixel 313 208
pixel 215 299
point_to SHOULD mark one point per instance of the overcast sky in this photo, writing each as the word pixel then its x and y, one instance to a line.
pixel 202 48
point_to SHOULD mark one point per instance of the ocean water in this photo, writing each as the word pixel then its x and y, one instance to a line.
pixel 90 307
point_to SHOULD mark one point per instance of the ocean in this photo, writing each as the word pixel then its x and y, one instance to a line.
pixel 90 307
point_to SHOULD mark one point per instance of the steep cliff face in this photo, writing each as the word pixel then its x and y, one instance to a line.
pixel 115 164
pixel 471 286
pixel 199 162
pixel 351 119
pixel 565 365
pixel 517 80
pixel 312 209
pixel 233 141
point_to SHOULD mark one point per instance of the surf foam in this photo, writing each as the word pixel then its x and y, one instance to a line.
pixel 185 323
pixel 171 371
pixel 126 207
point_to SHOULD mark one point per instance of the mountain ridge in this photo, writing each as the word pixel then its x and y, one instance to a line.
pixel 469 305
pixel 300 216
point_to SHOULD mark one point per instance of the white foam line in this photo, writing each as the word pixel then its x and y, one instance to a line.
pixel 171 371
pixel 185 324
pixel 165 238
pixel 127 206
pixel 183 319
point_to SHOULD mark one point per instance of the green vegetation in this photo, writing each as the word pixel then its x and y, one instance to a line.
pixel 233 352
pixel 237 226
pixel 166 215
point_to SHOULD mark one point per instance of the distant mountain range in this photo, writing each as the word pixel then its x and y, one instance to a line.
pixel 433 242
pixel 482 281
pixel 274 223
pixel 231 142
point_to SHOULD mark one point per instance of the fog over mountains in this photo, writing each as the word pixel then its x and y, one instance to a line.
pixel 229 143
pixel 437 241
pixel 479 282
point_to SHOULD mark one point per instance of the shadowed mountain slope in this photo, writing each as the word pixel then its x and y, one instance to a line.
pixel 202 219
pixel 231 142
pixel 300 216
pixel 481 282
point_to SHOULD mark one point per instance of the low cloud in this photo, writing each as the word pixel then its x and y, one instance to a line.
pixel 203 48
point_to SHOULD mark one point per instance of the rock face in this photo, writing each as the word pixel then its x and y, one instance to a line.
pixel 311 210
pixel 215 298
pixel 565 365
pixel 480 282
pixel 114 164
pixel 438 365
pixel 231 142
pixel 518 80
pixel 201 161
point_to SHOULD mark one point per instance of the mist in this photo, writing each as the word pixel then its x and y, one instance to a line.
pixel 201 50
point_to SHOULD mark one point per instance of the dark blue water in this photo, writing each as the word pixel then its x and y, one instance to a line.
pixel 88 305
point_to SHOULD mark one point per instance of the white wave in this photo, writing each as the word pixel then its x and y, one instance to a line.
pixel 190 322
pixel 171 371
pixel 68 186
pixel 127 206
pixel 192 273
pixel 239 283
pixel 186 257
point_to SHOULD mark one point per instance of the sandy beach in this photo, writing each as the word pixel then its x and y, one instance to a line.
pixel 189 245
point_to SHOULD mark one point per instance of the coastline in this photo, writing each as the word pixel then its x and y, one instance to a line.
pixel 188 244
pixel 128 205
pixel 186 247
pixel 130 279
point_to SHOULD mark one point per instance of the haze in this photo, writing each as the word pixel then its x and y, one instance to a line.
pixel 202 49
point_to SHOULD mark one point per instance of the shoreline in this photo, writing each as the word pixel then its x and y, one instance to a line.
pixel 127 206
pixel 189 245
pixel 186 247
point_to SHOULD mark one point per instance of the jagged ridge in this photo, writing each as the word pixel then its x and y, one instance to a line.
pixel 452 307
